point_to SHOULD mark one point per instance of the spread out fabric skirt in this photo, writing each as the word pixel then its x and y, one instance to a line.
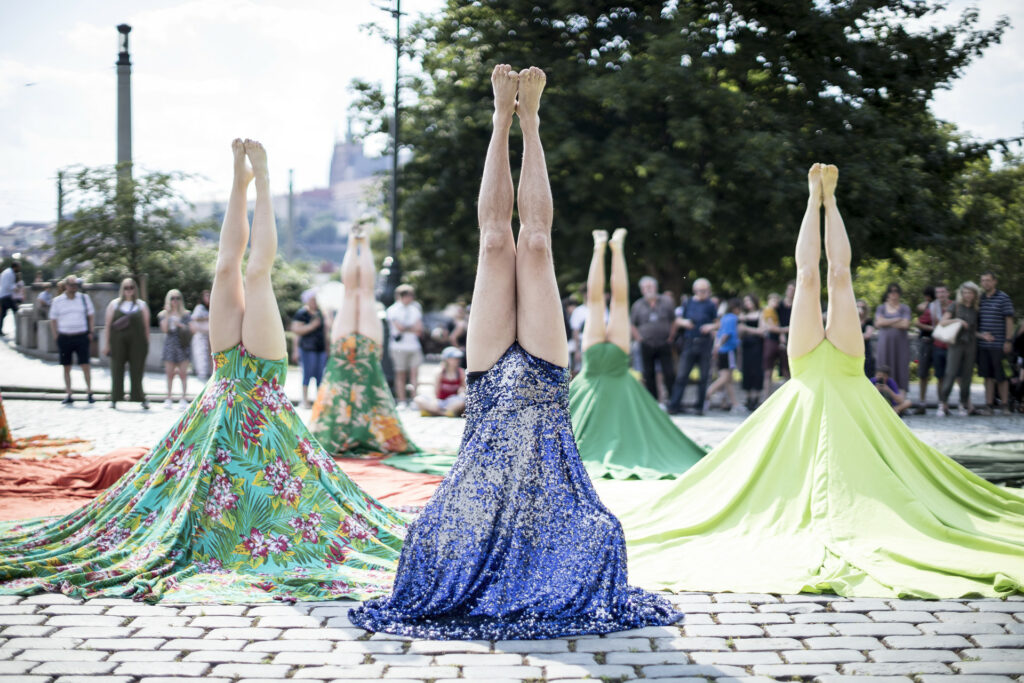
pixel 237 503
pixel 354 415
pixel 515 542
pixel 620 430
pixel 824 489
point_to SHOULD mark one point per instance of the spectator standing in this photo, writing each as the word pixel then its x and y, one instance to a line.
pixel 751 350
pixel 867 329
pixel 310 342
pixel 72 317
pixel 892 319
pixel 940 350
pixel 960 361
pixel 699 321
pixel 174 322
pixel 651 318
pixel 925 349
pixel 126 340
pixel 727 341
pixel 10 291
pixel 995 340
pixel 405 320
pixel 202 360
pixel 774 351
pixel 889 390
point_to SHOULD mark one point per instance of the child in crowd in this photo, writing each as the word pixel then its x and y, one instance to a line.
pixel 888 388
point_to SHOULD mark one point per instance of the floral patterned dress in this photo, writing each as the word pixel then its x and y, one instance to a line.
pixel 237 503
pixel 354 414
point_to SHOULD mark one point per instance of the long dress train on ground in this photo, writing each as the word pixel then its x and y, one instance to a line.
pixel 237 503
pixel 620 430
pixel 515 542
pixel 824 489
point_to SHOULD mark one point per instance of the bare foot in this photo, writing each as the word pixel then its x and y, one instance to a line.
pixel 243 172
pixel 531 85
pixel 505 82
pixel 814 183
pixel 829 179
pixel 600 239
pixel 258 158
pixel 618 237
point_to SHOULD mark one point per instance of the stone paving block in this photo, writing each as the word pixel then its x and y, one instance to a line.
pixel 744 679
pixel 142 655
pixel 799 630
pixel 222 622
pixel 713 607
pixel 42 643
pixel 576 658
pixel 56 610
pixel 274 611
pixel 687 597
pixel 42 678
pixel 755 598
pixel 87 679
pixel 86 668
pixel 823 656
pixel 170 632
pixel 779 671
pixel 10 599
pixel 929 605
pixel 651 632
pixel 695 620
pixel 50 599
pixel 754 618
pixel 329 611
pixel 927 642
pixel 15 666
pixel 358 671
pixel 965 628
pixel 251 671
pixel 860 605
pixel 319 658
pixel 86 620
pixel 143 610
pixel 878 629
pixel 995 654
pixel 174 679
pixel 726 631
pixel 442 646
pixel 323 633
pixel 844 643
pixel 999 640
pixel 791 607
pixel 21 619
pixel 214 610
pixel 858 679
pixel 462 680
pixel 967 678
pixel 690 644
pixel 830 618
pixel 995 606
pixel 114 644
pixel 748 644
pixel 1014 628
pixel 893 668
pixel 27 631
pixel 530 647
pixel 615 644
pixel 340 622
pixel 372 646
pixel 900 615
pixel 289 646
pixel 990 667
pixel 204 644
pixel 90 632
pixel 735 658
pixel 390 636
pixel 243 634
pixel 685 670
pixel 165 669
pixel 976 617
pixel 809 597
pixel 554 672
pixel 468 660
pixel 913 656
pixel 290 621
pixel 491 672
pixel 18 609
pixel 648 658
pixel 60 655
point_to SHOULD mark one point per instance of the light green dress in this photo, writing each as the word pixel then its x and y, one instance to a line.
pixel 619 428
pixel 237 503
pixel 824 489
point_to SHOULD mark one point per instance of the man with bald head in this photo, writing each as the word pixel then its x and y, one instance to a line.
pixel 699 322
pixel 71 321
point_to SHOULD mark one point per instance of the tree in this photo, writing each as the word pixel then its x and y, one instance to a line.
pixel 690 123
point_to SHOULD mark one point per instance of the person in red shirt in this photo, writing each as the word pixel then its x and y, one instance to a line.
pixel 449 389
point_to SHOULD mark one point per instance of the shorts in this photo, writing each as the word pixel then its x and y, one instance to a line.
pixel 403 361
pixel 990 364
pixel 313 364
pixel 73 344
pixel 727 360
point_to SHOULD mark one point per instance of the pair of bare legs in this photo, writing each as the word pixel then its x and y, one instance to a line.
pixel 358 312
pixel 842 326
pixel 723 383
pixel 245 309
pixel 179 370
pixel 616 331
pixel 513 276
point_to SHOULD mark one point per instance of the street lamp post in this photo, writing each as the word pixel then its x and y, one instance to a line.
pixel 395 270
pixel 124 103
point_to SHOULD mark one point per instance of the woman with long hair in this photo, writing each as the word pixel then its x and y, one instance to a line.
pixel 960 356
pixel 174 323
pixel 126 340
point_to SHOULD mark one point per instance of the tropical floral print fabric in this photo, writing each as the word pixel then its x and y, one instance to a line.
pixel 354 414
pixel 237 503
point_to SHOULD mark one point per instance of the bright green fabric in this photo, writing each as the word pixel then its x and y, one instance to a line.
pixel 824 489
pixel 620 430
pixel 426 463
pixel 237 503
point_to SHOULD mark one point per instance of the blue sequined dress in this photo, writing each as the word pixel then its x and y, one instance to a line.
pixel 515 543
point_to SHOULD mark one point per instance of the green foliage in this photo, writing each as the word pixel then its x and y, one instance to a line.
pixel 691 124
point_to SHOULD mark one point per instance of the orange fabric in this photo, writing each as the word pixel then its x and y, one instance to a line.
pixel 390 486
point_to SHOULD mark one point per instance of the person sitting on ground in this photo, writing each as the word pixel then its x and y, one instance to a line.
pixel 449 389
pixel 888 388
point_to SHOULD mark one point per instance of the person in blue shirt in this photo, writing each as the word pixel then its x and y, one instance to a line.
pixel 698 318
pixel 726 343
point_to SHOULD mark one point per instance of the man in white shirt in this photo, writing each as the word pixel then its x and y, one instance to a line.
pixel 405 321
pixel 10 288
pixel 71 320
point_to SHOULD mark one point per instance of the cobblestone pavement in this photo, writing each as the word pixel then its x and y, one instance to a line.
pixel 54 639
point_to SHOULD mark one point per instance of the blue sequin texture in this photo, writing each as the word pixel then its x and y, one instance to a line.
pixel 515 543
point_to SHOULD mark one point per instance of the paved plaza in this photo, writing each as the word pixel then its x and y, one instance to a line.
pixel 54 639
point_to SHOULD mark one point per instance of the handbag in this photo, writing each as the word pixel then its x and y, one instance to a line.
pixel 948 334
pixel 124 321
pixel 184 335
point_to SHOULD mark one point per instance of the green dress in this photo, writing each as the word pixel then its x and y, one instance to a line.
pixel 237 503
pixel 824 489
pixel 620 430
pixel 354 415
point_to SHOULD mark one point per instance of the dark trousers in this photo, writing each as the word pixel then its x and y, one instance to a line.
pixel 697 351
pixel 663 355
pixel 7 303
pixel 128 346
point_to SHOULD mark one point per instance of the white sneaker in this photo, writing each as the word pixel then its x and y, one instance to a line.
pixel 168 403
pixel 962 412
pixel 942 412
pixel 182 403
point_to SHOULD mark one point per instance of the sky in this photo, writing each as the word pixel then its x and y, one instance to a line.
pixel 207 71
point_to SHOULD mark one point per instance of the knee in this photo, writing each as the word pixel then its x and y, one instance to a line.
pixel 227 268
pixel 495 240
pixel 537 242
pixel 839 276
pixel 257 271
pixel 807 277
